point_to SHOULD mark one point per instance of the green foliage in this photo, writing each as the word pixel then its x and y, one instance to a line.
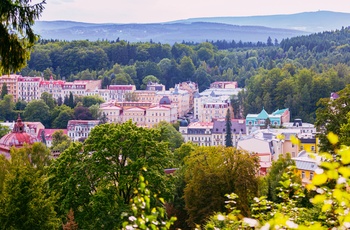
pixel 4 90
pixel 4 130
pixel 212 172
pixel 228 136
pixel 60 141
pixel 169 134
pixel 274 175
pixel 24 201
pixel 16 33
pixel 97 179
pixel 331 201
pixel 332 116
pixel 144 216
pixel 37 110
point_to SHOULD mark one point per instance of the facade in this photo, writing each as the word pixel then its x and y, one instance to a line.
pixel 259 121
pixel 179 98
pixel 117 92
pixel 224 85
pixel 112 112
pixel 53 87
pixel 238 131
pixel 306 166
pixel 145 114
pixel 17 138
pixel 213 107
pixel 192 89
pixel 28 88
pixel 79 130
pixel 11 83
pixel 199 133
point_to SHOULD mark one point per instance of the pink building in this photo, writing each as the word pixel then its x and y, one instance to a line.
pixel 28 88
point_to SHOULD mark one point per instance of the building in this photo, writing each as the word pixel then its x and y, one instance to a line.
pixel 264 120
pixel 28 88
pixel 11 83
pixel 306 166
pixel 117 92
pixel 192 89
pixel 212 107
pixel 179 98
pixel 79 130
pixel 199 133
pixel 224 85
pixel 53 87
pixel 17 138
pixel 238 131
pixel 46 135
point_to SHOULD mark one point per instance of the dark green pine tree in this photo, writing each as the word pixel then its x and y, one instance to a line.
pixel 71 100
pixel 228 137
pixel 4 91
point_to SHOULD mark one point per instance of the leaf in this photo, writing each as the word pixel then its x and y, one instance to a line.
pixel 333 138
pixel 319 179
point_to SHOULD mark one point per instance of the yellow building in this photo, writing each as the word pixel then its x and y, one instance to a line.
pixel 308 142
pixel 306 166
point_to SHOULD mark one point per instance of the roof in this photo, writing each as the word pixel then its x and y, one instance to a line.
pixel 237 126
pixel 254 145
pixel 304 162
pixel 279 111
pixel 263 114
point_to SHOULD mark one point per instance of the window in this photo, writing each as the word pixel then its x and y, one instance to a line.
pixel 311 175
pixel 302 174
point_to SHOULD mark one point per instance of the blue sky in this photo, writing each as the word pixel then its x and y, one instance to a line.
pixel 148 11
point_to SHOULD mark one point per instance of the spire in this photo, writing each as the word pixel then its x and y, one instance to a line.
pixel 19 126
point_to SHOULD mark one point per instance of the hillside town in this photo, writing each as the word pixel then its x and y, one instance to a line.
pixel 201 117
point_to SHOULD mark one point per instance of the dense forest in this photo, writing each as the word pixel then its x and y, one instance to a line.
pixel 294 73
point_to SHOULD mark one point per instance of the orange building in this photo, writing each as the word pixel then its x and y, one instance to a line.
pixel 11 83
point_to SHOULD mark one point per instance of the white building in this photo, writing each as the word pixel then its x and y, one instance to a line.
pixel 79 130
pixel 28 88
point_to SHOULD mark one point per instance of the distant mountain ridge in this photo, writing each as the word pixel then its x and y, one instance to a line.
pixel 312 22
pixel 246 29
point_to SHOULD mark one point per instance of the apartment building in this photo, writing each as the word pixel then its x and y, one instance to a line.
pixel 28 88
pixel 79 130
pixel 11 83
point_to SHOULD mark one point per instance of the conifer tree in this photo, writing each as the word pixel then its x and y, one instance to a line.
pixel 228 137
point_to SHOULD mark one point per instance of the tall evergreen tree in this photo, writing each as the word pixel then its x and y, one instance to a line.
pixel 16 33
pixel 71 100
pixel 4 90
pixel 228 137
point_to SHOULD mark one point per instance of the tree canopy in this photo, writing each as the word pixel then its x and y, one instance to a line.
pixel 16 33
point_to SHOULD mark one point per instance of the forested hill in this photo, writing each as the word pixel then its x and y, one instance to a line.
pixel 294 73
pixel 158 32
pixel 308 21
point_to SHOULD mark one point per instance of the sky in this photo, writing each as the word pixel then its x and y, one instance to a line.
pixel 157 11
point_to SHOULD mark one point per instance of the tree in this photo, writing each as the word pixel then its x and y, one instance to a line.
pixel 6 108
pixel 4 130
pixel 148 79
pixel 82 113
pixel 4 90
pixel 187 69
pixel 213 172
pixel 60 141
pixel 330 116
pixel 61 121
pixel 228 136
pixel 97 178
pixel 169 134
pixel 48 99
pixel 275 174
pixel 71 100
pixel 92 100
pixel 24 203
pixel 16 33
pixel 37 110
